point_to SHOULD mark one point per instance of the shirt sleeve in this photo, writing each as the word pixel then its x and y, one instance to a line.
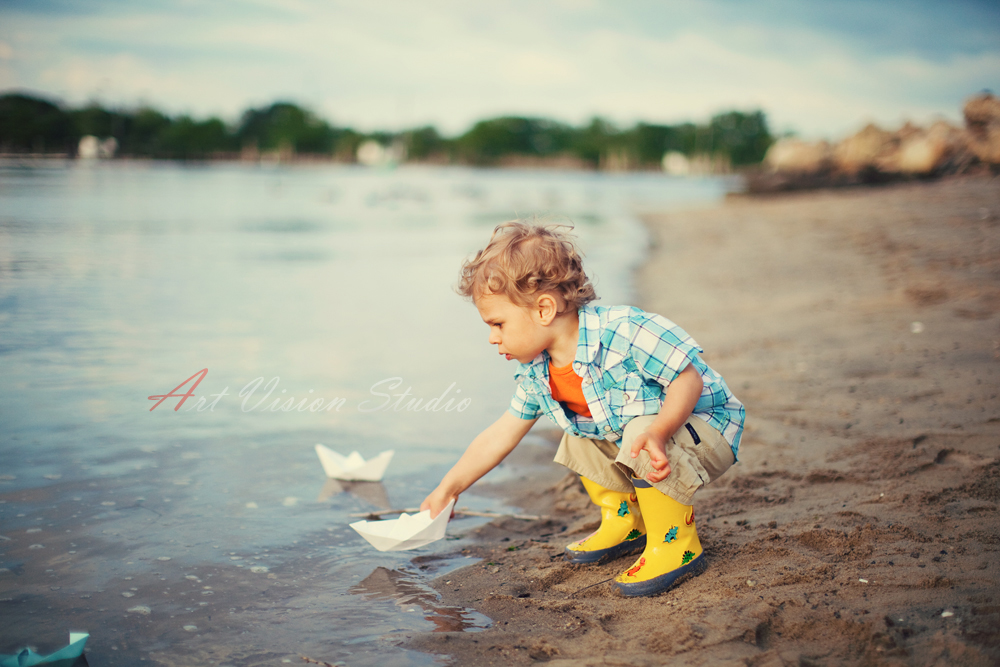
pixel 524 406
pixel 660 348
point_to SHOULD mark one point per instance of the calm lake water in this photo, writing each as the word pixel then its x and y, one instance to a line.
pixel 209 535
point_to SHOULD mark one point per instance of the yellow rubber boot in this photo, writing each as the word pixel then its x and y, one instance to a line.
pixel 672 545
pixel 621 531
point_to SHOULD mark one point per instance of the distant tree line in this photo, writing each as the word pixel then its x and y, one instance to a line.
pixel 34 125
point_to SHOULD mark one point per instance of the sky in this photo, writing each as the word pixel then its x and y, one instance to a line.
pixel 819 69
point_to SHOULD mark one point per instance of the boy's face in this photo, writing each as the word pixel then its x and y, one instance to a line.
pixel 516 330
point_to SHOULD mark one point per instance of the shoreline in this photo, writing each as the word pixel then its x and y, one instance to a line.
pixel 509 163
pixel 859 327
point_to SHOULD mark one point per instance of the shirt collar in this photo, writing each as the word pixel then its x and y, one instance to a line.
pixel 537 367
pixel 588 343
pixel 590 335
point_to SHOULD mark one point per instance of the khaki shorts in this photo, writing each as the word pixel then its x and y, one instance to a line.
pixel 692 464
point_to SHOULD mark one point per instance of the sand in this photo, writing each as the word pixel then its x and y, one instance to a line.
pixel 861 330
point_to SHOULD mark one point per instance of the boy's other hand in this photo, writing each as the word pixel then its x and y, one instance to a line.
pixel 655 447
pixel 436 502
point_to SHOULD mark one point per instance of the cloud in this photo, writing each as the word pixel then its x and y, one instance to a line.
pixel 538 69
pixel 126 77
pixel 383 64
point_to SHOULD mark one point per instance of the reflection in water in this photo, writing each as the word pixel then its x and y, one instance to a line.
pixel 405 589
pixel 373 493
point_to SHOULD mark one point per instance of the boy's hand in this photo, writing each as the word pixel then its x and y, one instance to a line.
pixel 678 403
pixel 485 453
pixel 655 447
pixel 436 502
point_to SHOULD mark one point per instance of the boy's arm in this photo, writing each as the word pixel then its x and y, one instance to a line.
pixel 682 395
pixel 487 450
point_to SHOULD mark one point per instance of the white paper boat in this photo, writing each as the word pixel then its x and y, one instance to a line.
pixel 409 531
pixel 353 467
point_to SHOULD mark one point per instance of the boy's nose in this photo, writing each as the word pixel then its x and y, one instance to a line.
pixel 494 338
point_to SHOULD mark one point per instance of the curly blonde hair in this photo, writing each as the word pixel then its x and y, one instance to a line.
pixel 524 259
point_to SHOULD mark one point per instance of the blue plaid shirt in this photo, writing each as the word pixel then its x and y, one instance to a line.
pixel 626 358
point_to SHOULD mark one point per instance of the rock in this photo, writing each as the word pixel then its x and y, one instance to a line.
pixel 908 130
pixel 981 111
pixel 794 156
pixel 864 150
pixel 982 119
pixel 924 152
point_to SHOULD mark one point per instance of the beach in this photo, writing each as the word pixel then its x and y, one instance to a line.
pixel 860 526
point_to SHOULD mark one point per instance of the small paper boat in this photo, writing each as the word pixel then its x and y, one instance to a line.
pixel 353 468
pixel 409 531
pixel 28 658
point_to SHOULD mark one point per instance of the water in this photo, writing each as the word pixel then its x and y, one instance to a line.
pixel 208 534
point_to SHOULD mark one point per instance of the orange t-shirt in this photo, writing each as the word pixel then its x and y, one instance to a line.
pixel 567 388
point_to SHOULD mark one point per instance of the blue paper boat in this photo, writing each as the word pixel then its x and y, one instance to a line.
pixel 28 658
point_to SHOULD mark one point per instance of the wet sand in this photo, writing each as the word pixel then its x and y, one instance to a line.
pixel 861 330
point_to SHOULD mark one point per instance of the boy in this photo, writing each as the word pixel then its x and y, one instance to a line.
pixel 646 423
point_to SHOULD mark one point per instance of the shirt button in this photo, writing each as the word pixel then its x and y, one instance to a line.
pixel 626 397
pixel 607 428
pixel 577 365
pixel 586 381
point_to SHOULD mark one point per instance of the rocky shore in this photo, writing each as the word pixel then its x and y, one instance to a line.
pixel 876 155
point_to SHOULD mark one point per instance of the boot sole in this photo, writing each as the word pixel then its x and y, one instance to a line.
pixel 660 583
pixel 611 552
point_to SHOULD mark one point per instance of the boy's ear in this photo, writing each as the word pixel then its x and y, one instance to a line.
pixel 546 308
